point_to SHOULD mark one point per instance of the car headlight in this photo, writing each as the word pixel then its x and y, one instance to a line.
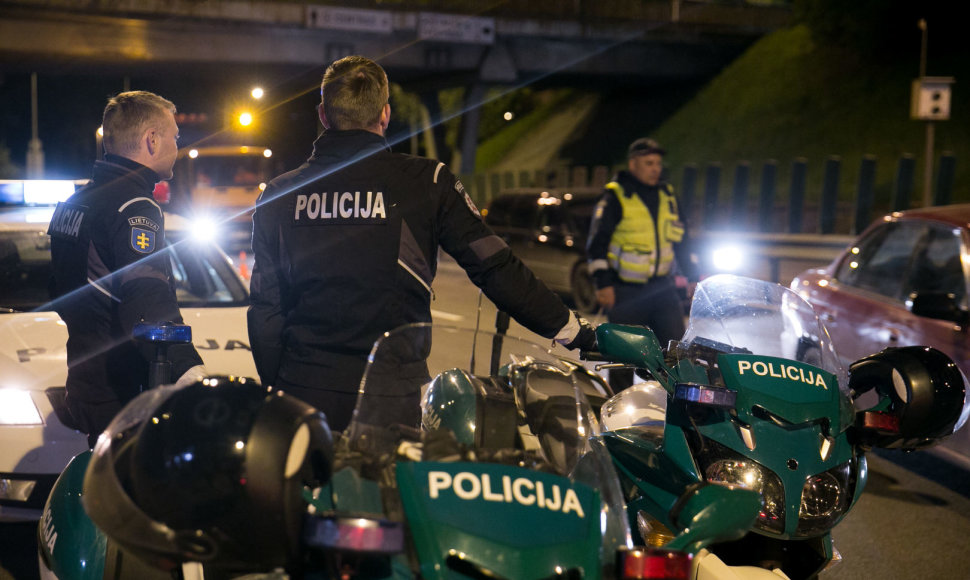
pixel 205 228
pixel 17 408
pixel 727 258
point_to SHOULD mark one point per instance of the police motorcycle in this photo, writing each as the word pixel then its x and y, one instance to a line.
pixel 225 478
pixel 755 397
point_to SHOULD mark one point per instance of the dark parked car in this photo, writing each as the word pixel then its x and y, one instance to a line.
pixel 547 230
pixel 902 282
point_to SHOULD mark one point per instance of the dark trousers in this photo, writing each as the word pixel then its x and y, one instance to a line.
pixel 92 418
pixel 656 305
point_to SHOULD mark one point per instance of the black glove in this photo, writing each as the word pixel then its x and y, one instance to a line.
pixel 585 339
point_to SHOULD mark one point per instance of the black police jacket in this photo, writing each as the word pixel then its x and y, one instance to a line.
pixel 109 271
pixel 346 248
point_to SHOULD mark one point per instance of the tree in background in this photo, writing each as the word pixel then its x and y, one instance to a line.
pixel 8 170
pixel 882 30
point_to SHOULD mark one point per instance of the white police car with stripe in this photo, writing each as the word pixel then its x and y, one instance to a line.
pixel 35 444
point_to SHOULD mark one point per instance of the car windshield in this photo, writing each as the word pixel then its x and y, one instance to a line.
pixel 738 314
pixel 229 171
pixel 203 275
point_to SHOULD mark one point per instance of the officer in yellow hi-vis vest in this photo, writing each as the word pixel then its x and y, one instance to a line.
pixel 637 244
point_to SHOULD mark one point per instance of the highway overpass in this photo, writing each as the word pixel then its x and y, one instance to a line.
pixel 425 45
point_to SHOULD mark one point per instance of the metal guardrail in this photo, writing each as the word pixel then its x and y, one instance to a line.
pixel 774 257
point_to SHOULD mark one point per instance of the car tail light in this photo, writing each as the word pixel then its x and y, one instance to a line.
pixel 653 564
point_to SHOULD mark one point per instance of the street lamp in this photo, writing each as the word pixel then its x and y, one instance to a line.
pixel 257 93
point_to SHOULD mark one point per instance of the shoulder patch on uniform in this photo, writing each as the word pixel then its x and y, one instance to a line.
pixel 468 200
pixel 143 222
pixel 600 207
pixel 142 240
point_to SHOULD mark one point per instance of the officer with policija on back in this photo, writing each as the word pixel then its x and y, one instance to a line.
pixel 346 248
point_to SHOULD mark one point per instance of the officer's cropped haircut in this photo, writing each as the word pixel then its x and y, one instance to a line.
pixel 126 117
pixel 354 92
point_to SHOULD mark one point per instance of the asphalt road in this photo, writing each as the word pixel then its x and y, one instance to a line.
pixel 913 520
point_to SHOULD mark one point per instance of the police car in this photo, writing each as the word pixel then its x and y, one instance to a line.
pixel 36 442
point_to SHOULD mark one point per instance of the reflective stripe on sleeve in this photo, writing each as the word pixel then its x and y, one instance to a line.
pixel 131 201
pixel 597 265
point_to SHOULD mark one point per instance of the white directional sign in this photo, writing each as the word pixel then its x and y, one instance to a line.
pixel 456 28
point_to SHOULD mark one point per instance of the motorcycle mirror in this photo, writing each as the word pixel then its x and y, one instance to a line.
pixel 920 386
pixel 713 513
pixel 632 345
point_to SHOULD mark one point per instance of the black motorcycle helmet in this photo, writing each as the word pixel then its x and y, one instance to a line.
pixel 213 472
pixel 920 386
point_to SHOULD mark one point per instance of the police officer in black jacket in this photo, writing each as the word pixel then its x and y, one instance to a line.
pixel 109 267
pixel 346 249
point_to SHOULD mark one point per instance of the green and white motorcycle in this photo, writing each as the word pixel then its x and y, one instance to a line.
pixel 504 479
pixel 754 397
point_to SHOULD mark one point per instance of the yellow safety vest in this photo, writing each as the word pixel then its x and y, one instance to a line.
pixel 639 249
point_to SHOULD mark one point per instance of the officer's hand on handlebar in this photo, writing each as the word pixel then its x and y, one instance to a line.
pixel 581 334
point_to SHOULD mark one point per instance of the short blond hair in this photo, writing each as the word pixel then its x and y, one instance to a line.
pixel 126 117
pixel 354 92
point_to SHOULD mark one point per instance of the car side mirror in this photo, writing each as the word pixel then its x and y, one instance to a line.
pixel 939 305
pixel 921 397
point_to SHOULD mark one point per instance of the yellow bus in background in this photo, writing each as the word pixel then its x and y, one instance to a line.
pixel 219 185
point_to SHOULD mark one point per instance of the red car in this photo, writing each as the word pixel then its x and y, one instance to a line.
pixel 902 282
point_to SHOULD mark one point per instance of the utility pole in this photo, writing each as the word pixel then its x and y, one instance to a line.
pixel 930 129
pixel 930 102
pixel 35 149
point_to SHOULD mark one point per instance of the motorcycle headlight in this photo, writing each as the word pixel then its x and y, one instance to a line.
pixel 724 466
pixel 825 499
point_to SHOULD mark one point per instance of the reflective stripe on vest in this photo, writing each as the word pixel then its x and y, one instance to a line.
pixel 633 247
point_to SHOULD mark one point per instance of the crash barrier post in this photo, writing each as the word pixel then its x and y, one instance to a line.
pixel 562 176
pixel 796 195
pixel 601 176
pixel 580 176
pixel 903 184
pixel 767 198
pixel 830 195
pixel 688 188
pixel 864 196
pixel 739 197
pixel 480 193
pixel 712 182
pixel 944 179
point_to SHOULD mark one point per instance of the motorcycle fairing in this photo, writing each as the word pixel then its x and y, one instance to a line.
pixel 67 535
pixel 794 391
pixel 499 520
